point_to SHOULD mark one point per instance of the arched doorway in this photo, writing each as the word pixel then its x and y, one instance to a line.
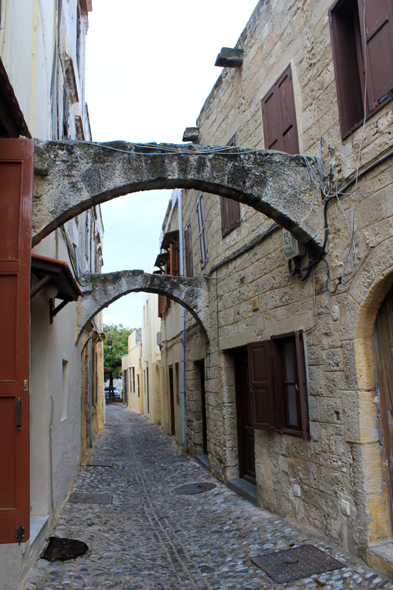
pixel 383 354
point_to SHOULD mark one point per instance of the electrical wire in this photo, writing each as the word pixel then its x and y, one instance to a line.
pixel 308 330
pixel 145 147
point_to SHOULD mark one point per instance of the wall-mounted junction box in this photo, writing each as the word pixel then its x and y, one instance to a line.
pixel 292 247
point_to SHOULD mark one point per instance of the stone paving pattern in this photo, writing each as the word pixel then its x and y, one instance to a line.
pixel 151 539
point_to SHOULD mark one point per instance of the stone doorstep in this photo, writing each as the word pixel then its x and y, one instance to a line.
pixel 203 460
pixel 380 557
pixel 244 488
pixel 37 523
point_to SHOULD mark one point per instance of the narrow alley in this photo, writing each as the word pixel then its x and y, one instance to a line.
pixel 149 537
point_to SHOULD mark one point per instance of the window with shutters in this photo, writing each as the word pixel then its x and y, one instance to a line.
pixel 362 42
pixel 279 116
pixel 230 209
pixel 164 303
pixel 278 385
pixel 168 261
pixel 202 231
pixel 188 251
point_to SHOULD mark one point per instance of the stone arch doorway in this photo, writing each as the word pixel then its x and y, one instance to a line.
pixel 367 295
pixel 70 177
pixel 383 357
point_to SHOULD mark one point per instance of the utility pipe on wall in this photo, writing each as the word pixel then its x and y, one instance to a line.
pixel 183 372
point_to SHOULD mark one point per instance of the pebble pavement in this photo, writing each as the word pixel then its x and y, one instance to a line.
pixel 151 539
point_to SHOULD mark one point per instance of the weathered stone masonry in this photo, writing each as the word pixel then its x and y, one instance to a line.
pixel 104 289
pixel 344 463
pixel 71 177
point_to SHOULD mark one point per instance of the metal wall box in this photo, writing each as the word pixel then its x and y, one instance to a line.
pixel 292 247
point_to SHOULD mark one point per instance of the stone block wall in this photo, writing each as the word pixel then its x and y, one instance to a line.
pixel 334 482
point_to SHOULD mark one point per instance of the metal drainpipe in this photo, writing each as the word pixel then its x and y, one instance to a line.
pixel 183 372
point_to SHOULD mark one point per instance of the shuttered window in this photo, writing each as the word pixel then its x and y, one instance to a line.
pixel 164 303
pixel 230 209
pixel 278 385
pixel 362 41
pixel 202 231
pixel 261 384
pixel 188 251
pixel 279 116
pixel 173 260
pixel 170 241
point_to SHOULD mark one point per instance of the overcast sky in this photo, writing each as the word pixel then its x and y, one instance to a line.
pixel 150 67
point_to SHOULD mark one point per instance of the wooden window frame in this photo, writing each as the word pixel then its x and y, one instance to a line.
pixel 350 45
pixel 188 251
pixel 279 118
pixel 270 404
pixel 202 231
pixel 230 209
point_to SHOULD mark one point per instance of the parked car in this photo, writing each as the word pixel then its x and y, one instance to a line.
pixel 116 393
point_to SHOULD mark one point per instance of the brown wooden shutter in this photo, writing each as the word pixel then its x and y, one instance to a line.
pixel 225 216
pixel 188 251
pixel 378 38
pixel 271 121
pixel 261 385
pixel 286 100
pixel 235 213
pixel 167 300
pixel 202 231
pixel 230 209
pixel 173 260
pixel 279 116
pixel 346 67
pixel 16 198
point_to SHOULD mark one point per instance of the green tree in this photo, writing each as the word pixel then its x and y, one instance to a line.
pixel 115 345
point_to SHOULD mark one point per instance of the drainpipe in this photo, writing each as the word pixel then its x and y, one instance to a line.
pixel 183 372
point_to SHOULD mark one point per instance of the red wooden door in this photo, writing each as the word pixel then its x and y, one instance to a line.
pixel 16 198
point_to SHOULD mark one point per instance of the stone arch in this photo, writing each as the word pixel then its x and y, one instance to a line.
pixel 70 177
pixel 366 294
pixel 104 289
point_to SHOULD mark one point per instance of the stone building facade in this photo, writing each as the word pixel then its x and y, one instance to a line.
pixel 150 388
pixel 290 390
pixel 132 372
pixel 170 328
pixel 52 413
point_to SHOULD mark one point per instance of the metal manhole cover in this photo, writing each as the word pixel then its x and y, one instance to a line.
pixel 79 498
pixel 175 459
pixel 190 489
pixel 62 549
pixel 293 564
pixel 94 463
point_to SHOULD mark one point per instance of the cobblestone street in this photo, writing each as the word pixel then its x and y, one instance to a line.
pixel 149 538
